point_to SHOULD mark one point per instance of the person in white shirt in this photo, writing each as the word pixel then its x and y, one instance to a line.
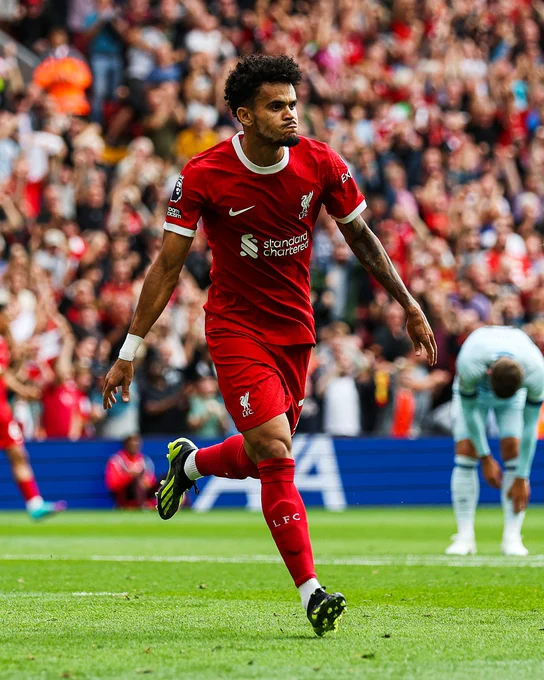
pixel 341 402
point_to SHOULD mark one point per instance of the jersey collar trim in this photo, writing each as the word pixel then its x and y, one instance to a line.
pixel 259 169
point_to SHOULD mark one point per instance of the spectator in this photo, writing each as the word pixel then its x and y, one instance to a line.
pixel 9 149
pixel 339 280
pixel 166 115
pixel 391 339
pixel 21 308
pixel 425 386
pixel 143 39
pixel 80 295
pixel 207 415
pixel 119 421
pixel 62 416
pixel 64 75
pixel 13 84
pixel 103 31
pixel 166 69
pixel 206 38
pixel 310 415
pixel 51 213
pixel 84 382
pixel 341 405
pixel 171 17
pixel 119 286
pixel 91 209
pixel 130 476
pixel 52 257
pixel 467 298
pixel 35 23
pixel 194 139
pixel 162 399
pixel 89 323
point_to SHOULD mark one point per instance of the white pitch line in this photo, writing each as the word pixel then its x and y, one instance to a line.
pixel 533 561
pixel 53 596
pixel 100 594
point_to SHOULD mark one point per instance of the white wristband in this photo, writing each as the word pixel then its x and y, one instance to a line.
pixel 130 347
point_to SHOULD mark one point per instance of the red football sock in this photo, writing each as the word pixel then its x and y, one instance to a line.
pixel 29 489
pixel 285 515
pixel 228 459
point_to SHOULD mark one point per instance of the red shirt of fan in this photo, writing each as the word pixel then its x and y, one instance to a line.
pixel 259 224
pixel 60 405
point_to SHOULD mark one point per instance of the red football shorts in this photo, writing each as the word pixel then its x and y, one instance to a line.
pixel 10 432
pixel 259 382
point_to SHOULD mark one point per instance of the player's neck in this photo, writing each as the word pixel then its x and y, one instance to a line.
pixel 260 153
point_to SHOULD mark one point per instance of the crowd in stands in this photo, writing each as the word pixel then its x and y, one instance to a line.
pixel 437 108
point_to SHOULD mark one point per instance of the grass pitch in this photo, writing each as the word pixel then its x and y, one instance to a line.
pixel 115 595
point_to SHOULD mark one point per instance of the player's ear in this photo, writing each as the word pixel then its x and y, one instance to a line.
pixel 245 116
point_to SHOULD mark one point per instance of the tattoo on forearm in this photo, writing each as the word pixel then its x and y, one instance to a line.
pixel 372 255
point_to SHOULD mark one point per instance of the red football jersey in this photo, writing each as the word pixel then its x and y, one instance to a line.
pixel 259 223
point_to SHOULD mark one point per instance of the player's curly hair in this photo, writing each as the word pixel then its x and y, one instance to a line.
pixel 252 71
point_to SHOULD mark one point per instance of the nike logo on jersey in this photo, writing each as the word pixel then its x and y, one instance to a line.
pixel 233 213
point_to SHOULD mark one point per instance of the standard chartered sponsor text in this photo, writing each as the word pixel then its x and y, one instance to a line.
pixel 286 246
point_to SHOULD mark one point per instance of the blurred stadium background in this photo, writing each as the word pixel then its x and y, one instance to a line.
pixel 437 108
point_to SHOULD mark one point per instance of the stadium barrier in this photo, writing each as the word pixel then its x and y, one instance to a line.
pixel 334 473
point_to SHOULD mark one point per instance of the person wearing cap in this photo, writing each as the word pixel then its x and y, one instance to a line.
pixel 11 438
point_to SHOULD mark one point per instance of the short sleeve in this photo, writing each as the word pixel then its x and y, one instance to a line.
pixel 341 197
pixel 469 369
pixel 186 202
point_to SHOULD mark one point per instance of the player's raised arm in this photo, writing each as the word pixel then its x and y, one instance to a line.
pixel 372 255
pixel 157 290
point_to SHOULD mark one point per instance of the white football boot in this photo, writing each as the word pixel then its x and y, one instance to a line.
pixel 462 544
pixel 512 545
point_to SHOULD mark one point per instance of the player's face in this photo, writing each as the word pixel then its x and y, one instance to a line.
pixel 275 118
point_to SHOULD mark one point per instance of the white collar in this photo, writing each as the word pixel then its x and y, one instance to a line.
pixel 259 169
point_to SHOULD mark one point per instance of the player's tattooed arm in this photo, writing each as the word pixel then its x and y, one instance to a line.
pixel 372 255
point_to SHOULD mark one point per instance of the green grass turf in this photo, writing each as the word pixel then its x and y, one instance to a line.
pixel 411 618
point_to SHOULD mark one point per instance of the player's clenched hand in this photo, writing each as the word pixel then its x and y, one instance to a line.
pixel 421 333
pixel 520 491
pixel 492 472
pixel 119 375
